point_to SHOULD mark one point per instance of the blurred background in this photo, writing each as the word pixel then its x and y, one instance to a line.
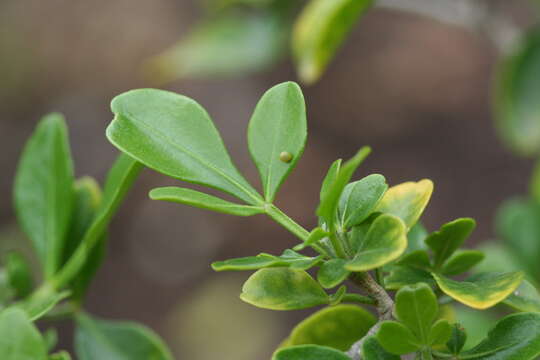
pixel 415 89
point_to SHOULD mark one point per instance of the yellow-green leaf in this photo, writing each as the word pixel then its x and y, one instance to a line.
pixel 385 241
pixel 283 289
pixel 407 201
pixel 482 292
pixel 449 238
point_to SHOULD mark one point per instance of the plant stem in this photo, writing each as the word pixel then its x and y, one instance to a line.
pixel 384 303
pixel 425 354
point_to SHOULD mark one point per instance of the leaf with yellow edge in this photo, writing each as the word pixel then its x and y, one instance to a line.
pixel 385 241
pixel 482 291
pixel 407 201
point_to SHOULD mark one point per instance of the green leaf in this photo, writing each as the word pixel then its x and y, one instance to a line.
pixel 449 238
pixel 360 198
pixel 477 323
pixel 283 289
pixel 111 340
pixel 337 178
pixel 174 135
pixel 337 327
pixel 525 298
pixel 457 339
pixel 332 273
pixel 483 291
pixel 416 237
pixel 372 350
pixel 440 332
pixel 203 201
pixel 224 45
pixel 403 275
pixel 515 337
pixel 88 198
pixel 248 263
pixel 42 301
pixel 62 355
pixel 516 102
pixel 19 338
pixel 19 274
pixel 462 261
pixel 119 180
pixel 418 259
pixel 517 223
pixel 385 241
pixel 407 201
pixel 42 190
pixel 396 338
pixel 417 308
pixel 298 261
pixel 319 32
pixel 278 126
pixel 315 236
pixel 311 352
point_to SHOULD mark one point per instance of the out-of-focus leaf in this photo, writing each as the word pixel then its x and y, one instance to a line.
pixel 19 338
pixel 518 224
pixel 457 339
pixel 19 274
pixel 385 241
pixel 360 198
pixel 43 190
pixel 277 135
pixel 477 323
pixel 226 45
pixel 516 101
pixel 319 31
pixel 416 236
pixel 337 327
pixel 283 289
pixel 462 261
pixel 525 298
pixel 203 201
pixel 407 201
pixel 311 352
pixel 62 355
pixel 174 135
pixel 112 340
pixel 483 291
pixel 515 337
pixel 41 302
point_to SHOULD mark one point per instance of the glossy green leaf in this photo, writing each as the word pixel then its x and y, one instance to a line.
pixel 403 275
pixel 298 261
pixel 417 308
pixel 360 198
pixel 319 32
pixel 88 198
pixel 440 332
pixel 174 135
pixel 203 201
pixel 449 238
pixel 42 190
pixel 462 261
pixel 332 273
pixel 278 126
pixel 396 338
pixel 112 340
pixel 19 338
pixel 337 178
pixel 337 327
pixel 484 291
pixel 19 274
pixel 517 223
pixel 516 103
pixel 416 238
pixel 119 180
pixel 283 289
pixel 372 350
pixel 515 337
pixel 525 298
pixel 457 339
pixel 311 352
pixel 385 241
pixel 407 201
pixel 225 45
pixel 315 236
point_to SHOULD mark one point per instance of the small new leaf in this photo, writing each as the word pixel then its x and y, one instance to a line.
pixel 449 238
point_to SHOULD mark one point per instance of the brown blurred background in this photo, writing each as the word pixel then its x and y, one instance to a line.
pixel 414 89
